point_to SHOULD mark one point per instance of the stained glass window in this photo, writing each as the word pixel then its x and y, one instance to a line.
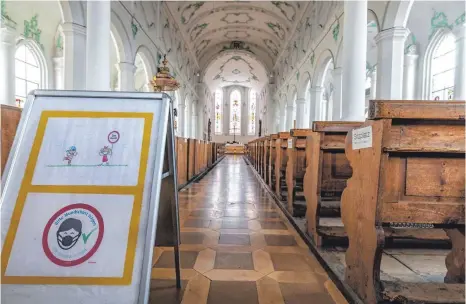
pixel 443 69
pixel 252 113
pixel 218 111
pixel 235 112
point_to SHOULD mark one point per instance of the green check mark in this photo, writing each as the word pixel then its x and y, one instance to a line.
pixel 86 237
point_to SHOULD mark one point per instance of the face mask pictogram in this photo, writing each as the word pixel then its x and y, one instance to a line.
pixel 69 233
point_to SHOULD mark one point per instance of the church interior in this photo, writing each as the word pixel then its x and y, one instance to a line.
pixel 319 145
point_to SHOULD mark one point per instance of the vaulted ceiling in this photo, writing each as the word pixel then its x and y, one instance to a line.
pixel 257 31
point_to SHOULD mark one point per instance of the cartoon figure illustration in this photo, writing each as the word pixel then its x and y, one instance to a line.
pixel 105 152
pixel 70 154
pixel 68 233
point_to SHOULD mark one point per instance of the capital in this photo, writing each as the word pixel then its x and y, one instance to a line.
pixel 300 101
pixel 69 28
pixel 126 66
pixel 7 35
pixel 459 31
pixel 393 34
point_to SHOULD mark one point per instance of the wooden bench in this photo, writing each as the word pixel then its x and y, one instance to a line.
pixel 182 160
pixel 266 159
pixel 327 170
pixel 281 159
pixel 260 156
pixel 295 170
pixel 191 157
pixel 10 117
pixel 408 170
pixel 272 159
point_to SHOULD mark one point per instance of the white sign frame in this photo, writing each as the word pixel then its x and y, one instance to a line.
pixel 362 138
pixel 139 282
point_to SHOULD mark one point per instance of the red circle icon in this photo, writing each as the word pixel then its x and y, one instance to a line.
pixel 113 137
pixel 81 259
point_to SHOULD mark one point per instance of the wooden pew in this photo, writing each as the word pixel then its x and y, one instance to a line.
pixel 10 117
pixel 281 159
pixel 259 155
pixel 327 170
pixel 266 159
pixel 295 170
pixel 191 157
pixel 272 160
pixel 182 160
pixel 408 170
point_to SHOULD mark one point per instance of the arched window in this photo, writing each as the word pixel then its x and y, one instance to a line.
pixel 443 69
pixel 235 112
pixel 327 93
pixel 252 113
pixel 141 77
pixel 29 71
pixel 218 111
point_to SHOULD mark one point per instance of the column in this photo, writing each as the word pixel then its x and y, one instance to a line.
pixel 316 101
pixel 7 64
pixel 126 76
pixel 337 75
pixel 289 117
pixel 98 46
pixel 58 63
pixel 354 59
pixel 390 61
pixel 74 53
pixel 373 77
pixel 194 119
pixel 460 72
pixel 300 109
pixel 282 122
pixel 409 73
pixel 181 109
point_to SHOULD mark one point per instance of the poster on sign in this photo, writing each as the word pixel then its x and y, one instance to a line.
pixel 81 196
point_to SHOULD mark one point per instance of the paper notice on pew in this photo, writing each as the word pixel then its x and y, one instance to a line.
pixel 362 138
pixel 290 143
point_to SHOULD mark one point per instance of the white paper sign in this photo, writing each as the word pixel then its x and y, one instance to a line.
pixel 290 143
pixel 80 198
pixel 362 138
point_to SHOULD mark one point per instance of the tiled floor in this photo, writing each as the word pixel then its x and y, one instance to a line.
pixel 237 247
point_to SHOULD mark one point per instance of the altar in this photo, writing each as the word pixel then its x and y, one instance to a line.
pixel 234 149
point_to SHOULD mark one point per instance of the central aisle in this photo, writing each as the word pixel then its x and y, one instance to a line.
pixel 238 247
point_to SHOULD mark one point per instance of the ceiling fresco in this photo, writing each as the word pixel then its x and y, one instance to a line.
pixel 235 68
pixel 258 29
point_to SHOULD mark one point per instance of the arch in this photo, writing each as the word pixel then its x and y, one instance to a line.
pixel 148 59
pixel 72 12
pixel 322 63
pixel 121 39
pixel 38 54
pixel 437 38
pixel 292 92
pixel 397 14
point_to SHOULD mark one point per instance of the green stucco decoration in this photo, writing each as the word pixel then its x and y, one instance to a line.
pixel 5 19
pixel 191 8
pixel 59 43
pixel 336 31
pixel 134 28
pixel 197 30
pixel 313 57
pixel 32 30
pixel 277 29
pixel 297 75
pixel 411 43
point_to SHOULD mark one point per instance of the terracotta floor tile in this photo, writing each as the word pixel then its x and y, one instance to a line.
pixel 289 262
pixel 165 291
pixel 196 223
pixel 192 237
pixel 234 239
pixel 294 293
pixel 225 260
pixel 235 224
pixel 273 225
pixel 232 293
pixel 167 259
pixel 280 240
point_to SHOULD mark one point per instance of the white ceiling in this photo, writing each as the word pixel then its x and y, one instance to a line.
pixel 260 30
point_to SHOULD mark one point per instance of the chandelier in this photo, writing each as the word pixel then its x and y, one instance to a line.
pixel 163 81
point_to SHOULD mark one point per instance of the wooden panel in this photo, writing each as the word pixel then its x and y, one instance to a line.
pixel 429 176
pixel 10 117
pixel 419 109
pixel 191 157
pixel 333 141
pixel 341 168
pixel 423 212
pixel 426 138
pixel 300 132
pixel 334 126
